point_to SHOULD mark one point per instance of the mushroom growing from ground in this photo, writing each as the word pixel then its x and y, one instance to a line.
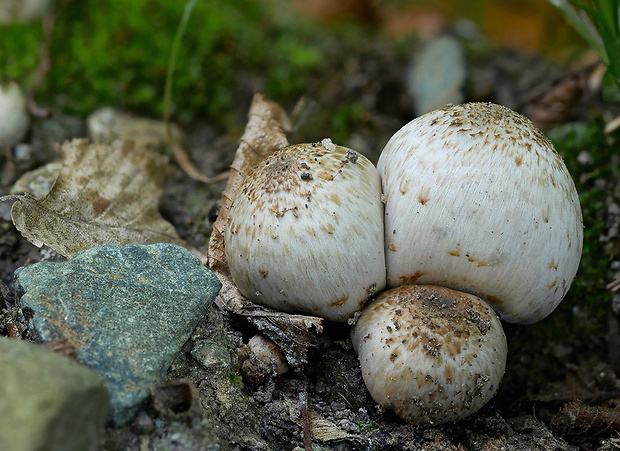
pixel 14 119
pixel 478 200
pixel 263 360
pixel 430 353
pixel 305 231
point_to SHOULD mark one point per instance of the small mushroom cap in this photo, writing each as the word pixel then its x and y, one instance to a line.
pixel 305 231
pixel 478 200
pixel 265 359
pixel 14 119
pixel 429 353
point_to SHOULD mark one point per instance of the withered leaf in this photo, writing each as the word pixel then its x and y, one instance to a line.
pixel 103 194
pixel 579 419
pixel 109 124
pixel 263 135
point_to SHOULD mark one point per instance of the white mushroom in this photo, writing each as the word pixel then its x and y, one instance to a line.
pixel 478 200
pixel 264 359
pixel 14 119
pixel 305 231
pixel 431 354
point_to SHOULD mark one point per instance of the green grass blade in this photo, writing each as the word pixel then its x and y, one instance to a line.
pixel 583 25
pixel 189 6
pixel 608 10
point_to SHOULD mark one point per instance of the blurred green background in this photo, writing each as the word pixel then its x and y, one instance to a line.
pixel 114 52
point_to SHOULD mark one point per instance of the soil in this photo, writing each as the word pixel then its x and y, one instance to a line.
pixel 560 391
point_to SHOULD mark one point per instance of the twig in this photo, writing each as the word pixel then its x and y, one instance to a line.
pixel 614 285
pixel 305 419
pixel 45 62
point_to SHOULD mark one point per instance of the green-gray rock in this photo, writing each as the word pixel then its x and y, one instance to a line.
pixel 48 401
pixel 127 311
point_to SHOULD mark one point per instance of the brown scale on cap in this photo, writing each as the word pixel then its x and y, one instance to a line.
pixel 430 353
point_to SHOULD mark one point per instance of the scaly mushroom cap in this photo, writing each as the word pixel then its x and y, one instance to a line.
pixel 305 231
pixel 431 354
pixel 477 199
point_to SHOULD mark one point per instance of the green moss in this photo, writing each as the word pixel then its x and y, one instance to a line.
pixel 367 428
pixel 235 379
pixel 294 62
pixel 116 52
pixel 593 179
pixel 19 51
pixel 346 119
pixel 584 311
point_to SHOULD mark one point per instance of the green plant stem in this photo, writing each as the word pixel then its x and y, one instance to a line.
pixel 189 6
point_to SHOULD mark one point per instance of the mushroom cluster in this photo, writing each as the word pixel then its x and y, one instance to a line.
pixel 476 200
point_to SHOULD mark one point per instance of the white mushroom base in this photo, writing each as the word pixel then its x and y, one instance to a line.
pixel 429 353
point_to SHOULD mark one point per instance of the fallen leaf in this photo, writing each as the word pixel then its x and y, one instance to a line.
pixel 107 125
pixel 553 102
pixel 103 194
pixel 321 429
pixel 579 419
pixel 38 182
pixel 263 135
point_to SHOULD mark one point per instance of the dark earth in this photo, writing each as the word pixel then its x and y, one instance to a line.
pixel 560 391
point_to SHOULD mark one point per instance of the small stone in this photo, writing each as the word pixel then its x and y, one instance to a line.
pixel 438 76
pixel 126 310
pixel 48 401
pixel 211 354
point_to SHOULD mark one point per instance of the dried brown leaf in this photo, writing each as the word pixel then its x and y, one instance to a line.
pixel 577 418
pixel 263 135
pixel 109 124
pixel 103 194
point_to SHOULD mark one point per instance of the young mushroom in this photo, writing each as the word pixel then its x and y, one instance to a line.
pixel 14 119
pixel 429 353
pixel 305 231
pixel 478 200
pixel 263 360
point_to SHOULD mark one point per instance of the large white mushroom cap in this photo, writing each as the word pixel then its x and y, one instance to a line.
pixel 431 354
pixel 478 200
pixel 14 119
pixel 305 231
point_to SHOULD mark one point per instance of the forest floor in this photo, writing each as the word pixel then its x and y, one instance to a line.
pixel 561 389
